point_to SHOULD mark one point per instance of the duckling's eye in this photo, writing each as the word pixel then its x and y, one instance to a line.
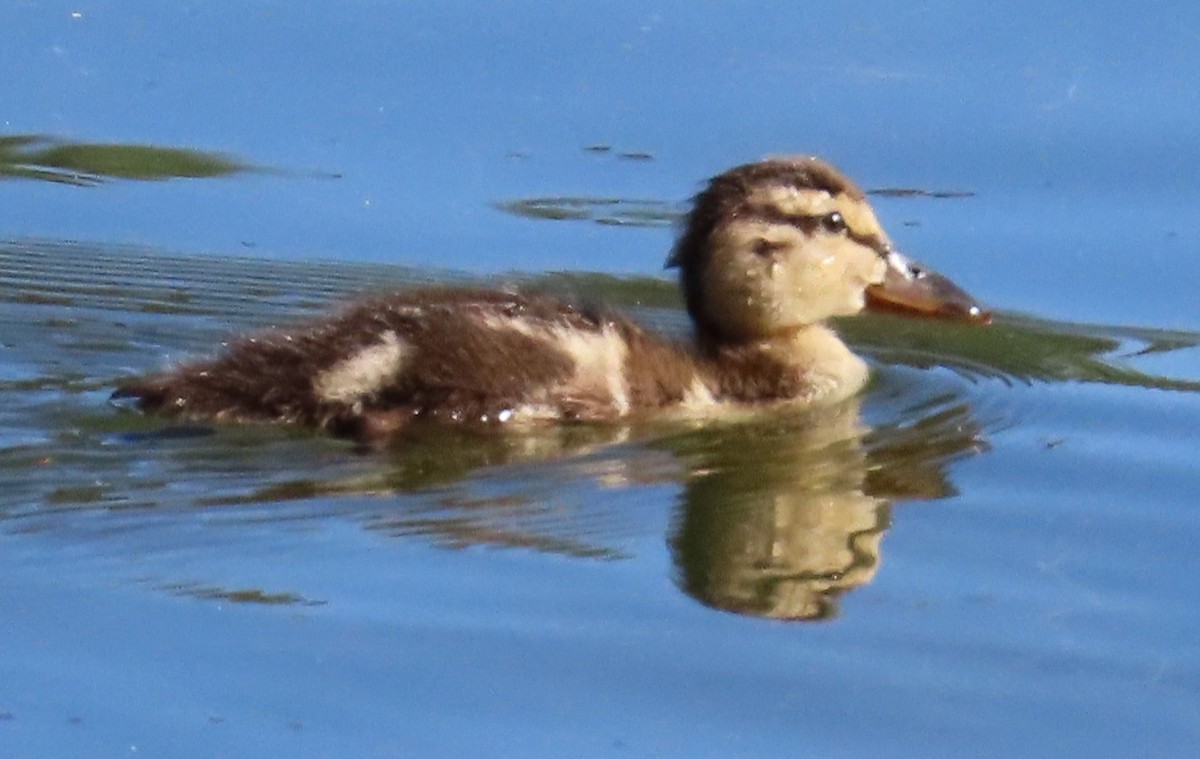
pixel 833 223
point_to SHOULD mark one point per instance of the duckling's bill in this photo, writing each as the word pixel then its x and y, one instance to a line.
pixel 910 288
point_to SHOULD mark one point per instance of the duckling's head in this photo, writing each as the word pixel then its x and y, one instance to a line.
pixel 773 246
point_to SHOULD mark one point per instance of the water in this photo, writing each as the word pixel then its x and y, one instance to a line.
pixel 992 552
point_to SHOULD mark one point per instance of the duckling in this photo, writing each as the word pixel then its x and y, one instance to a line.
pixel 769 251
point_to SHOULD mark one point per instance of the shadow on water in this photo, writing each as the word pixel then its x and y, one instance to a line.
pixel 83 164
pixel 774 517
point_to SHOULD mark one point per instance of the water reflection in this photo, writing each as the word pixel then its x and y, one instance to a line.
pixel 780 522
pixel 777 517
pixel 84 164
pixel 608 211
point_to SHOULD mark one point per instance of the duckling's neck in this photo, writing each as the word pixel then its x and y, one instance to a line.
pixel 835 372
pixel 807 364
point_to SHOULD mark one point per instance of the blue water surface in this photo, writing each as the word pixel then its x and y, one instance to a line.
pixel 427 113
pixel 274 595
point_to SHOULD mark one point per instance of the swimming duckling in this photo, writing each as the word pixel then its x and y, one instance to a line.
pixel 769 251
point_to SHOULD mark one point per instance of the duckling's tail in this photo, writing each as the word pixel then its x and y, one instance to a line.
pixel 182 396
pixel 145 394
pixel 193 392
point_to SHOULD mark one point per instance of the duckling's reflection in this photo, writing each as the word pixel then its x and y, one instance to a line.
pixel 777 522
pixel 776 518
pixel 780 522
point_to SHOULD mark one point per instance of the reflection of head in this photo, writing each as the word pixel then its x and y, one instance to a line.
pixel 778 523
pixel 785 518
pixel 784 557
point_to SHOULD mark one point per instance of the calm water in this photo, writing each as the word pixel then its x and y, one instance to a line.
pixel 991 553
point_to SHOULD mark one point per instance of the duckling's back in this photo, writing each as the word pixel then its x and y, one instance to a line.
pixel 448 355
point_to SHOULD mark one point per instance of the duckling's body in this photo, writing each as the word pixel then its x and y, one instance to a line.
pixel 491 358
pixel 770 250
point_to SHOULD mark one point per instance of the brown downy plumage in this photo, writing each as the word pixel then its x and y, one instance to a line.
pixel 769 251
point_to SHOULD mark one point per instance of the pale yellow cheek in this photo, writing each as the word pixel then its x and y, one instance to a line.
pixel 878 271
pixel 807 281
pixel 826 283
pixel 852 266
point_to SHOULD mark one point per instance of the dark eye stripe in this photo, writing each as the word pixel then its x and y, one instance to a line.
pixel 811 223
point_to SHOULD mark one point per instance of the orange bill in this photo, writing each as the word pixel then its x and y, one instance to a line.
pixel 909 288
